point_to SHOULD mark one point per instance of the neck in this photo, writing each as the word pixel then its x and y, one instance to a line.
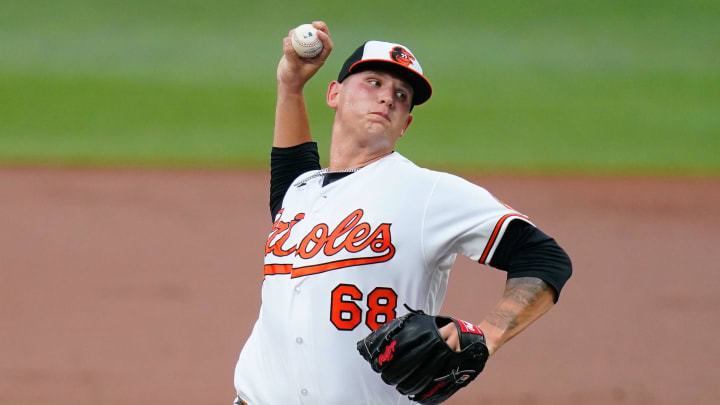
pixel 342 161
pixel 351 152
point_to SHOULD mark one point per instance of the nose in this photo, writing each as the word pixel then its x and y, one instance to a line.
pixel 386 96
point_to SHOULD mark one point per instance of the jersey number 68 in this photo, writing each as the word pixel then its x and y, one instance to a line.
pixel 346 314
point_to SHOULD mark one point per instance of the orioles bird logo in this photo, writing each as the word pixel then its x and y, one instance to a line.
pixel 402 56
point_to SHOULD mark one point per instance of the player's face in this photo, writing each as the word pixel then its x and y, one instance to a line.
pixel 375 102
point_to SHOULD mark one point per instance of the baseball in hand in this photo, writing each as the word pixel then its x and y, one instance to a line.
pixel 306 42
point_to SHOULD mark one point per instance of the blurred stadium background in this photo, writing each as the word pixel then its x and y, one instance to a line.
pixel 552 86
pixel 121 286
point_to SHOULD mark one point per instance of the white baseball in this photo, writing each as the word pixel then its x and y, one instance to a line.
pixel 306 42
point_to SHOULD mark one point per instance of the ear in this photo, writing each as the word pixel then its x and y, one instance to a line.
pixel 332 94
pixel 407 124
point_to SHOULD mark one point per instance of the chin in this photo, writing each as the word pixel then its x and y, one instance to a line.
pixel 376 129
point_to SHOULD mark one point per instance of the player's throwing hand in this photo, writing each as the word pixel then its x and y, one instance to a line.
pixel 294 71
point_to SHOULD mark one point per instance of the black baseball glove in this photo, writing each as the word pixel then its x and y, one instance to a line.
pixel 410 354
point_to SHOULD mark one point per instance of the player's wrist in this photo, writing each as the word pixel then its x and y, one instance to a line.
pixel 288 90
pixel 494 336
pixel 289 81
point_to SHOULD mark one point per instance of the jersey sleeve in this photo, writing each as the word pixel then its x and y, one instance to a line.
pixel 463 218
pixel 286 164
pixel 526 251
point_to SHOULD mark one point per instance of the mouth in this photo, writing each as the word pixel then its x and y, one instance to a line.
pixel 382 114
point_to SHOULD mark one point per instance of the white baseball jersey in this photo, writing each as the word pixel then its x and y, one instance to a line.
pixel 341 260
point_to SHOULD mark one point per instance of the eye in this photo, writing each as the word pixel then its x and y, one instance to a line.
pixel 374 82
pixel 401 95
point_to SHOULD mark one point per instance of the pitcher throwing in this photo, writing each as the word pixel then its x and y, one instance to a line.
pixel 358 257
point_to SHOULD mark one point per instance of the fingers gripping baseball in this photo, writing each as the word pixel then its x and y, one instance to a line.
pixel 324 35
pixel 294 71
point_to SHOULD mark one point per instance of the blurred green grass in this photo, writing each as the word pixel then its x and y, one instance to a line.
pixel 625 87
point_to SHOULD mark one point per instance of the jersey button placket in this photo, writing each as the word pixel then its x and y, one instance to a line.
pixel 299 324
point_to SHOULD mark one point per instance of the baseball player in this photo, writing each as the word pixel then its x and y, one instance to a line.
pixel 357 246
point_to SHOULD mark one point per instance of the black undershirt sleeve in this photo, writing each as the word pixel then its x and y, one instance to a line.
pixel 286 164
pixel 525 251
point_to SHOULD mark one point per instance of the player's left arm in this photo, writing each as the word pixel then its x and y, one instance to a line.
pixel 538 268
pixel 525 300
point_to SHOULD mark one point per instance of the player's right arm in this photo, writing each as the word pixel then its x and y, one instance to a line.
pixel 293 153
pixel 292 126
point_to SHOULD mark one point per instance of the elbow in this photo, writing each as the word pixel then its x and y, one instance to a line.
pixel 563 271
pixel 567 268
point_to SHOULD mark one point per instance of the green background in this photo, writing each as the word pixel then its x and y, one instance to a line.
pixel 620 87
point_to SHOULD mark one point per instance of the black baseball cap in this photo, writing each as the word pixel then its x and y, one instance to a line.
pixel 391 57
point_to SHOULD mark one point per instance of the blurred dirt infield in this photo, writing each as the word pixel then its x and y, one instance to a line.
pixel 140 287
